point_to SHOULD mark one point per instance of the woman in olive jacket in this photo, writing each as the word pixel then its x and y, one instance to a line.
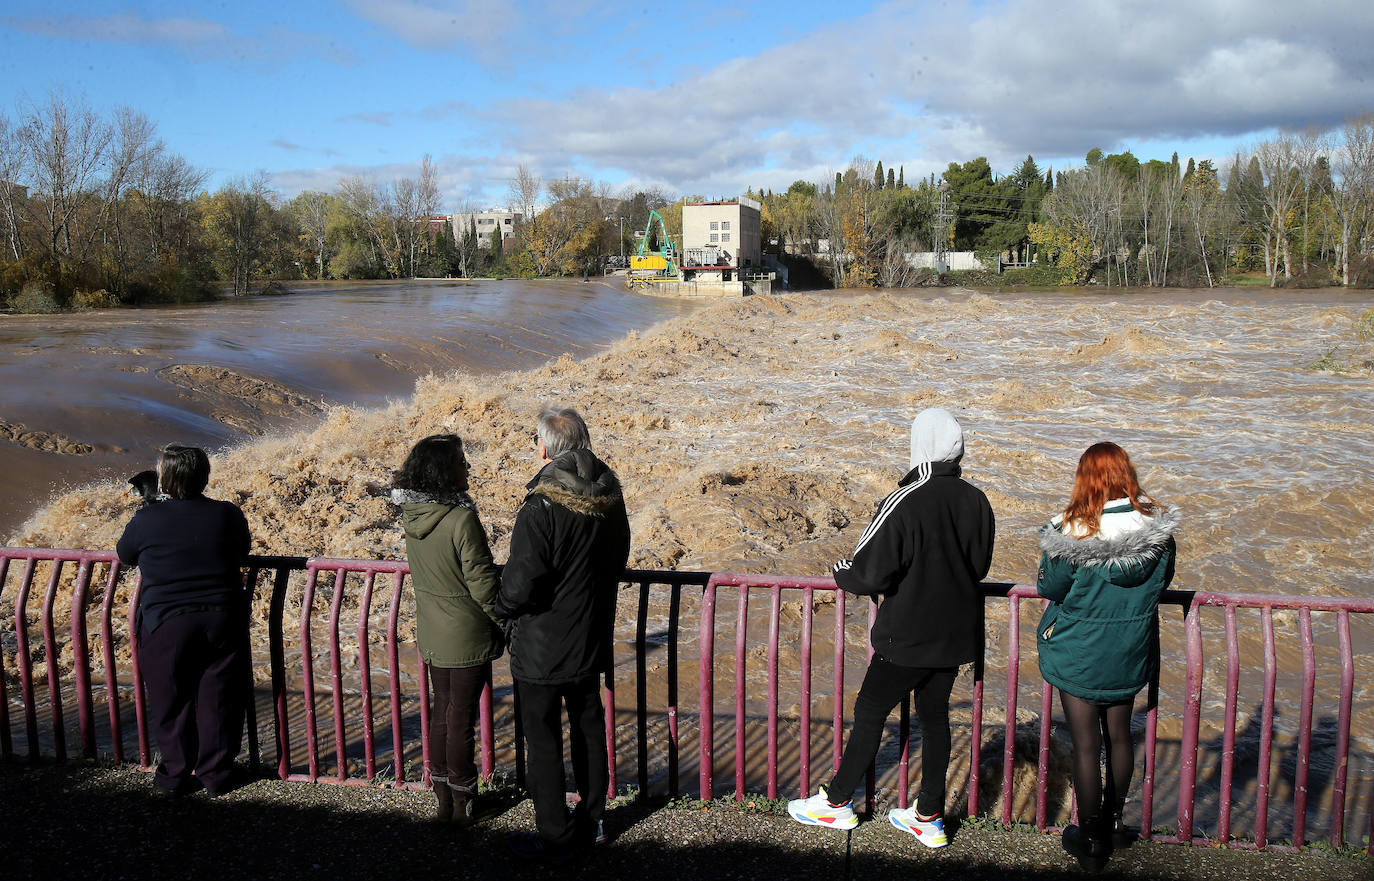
pixel 455 583
pixel 1105 561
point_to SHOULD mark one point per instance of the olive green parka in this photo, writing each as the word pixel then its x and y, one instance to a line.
pixel 454 578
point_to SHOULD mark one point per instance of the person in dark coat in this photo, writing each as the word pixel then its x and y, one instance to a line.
pixel 925 553
pixel 1104 562
pixel 455 580
pixel 192 623
pixel 568 553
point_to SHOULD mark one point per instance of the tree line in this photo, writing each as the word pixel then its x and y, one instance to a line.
pixel 96 210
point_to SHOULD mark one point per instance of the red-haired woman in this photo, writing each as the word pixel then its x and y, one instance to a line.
pixel 1105 560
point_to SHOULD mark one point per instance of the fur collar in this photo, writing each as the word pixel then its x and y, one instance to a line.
pixel 411 497
pixel 580 482
pixel 1130 549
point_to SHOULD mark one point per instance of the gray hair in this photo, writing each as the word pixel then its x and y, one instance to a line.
pixel 562 429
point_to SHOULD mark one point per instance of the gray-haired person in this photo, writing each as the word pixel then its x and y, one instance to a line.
pixel 567 555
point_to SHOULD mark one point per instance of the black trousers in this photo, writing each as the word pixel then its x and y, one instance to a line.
pixel 541 711
pixel 195 668
pixel 885 685
pixel 453 720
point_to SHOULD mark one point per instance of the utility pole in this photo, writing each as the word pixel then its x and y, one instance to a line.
pixel 944 222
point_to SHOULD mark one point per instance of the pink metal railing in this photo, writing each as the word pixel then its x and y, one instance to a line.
pixel 351 716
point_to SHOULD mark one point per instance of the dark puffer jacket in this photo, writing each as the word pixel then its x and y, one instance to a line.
pixel 567 555
pixel 1099 637
pixel 454 579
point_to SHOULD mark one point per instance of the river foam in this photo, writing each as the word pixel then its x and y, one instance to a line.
pixel 758 434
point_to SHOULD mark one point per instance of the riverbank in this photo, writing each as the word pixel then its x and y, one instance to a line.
pixel 105 823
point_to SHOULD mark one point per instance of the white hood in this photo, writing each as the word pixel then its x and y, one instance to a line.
pixel 936 437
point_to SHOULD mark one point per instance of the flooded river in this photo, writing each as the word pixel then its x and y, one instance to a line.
pixel 94 395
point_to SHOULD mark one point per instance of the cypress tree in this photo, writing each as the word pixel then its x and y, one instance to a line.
pixel 878 177
pixel 891 179
pixel 901 177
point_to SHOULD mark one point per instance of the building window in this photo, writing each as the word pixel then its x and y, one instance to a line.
pixel 508 221
pixel 725 224
pixel 715 225
pixel 715 237
pixel 725 237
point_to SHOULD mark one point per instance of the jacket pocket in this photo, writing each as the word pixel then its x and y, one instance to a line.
pixel 1048 621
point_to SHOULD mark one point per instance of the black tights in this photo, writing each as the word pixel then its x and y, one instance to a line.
pixel 1093 726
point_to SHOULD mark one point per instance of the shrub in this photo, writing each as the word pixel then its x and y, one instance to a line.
pixel 36 297
pixel 1318 275
pixel 83 300
pixel 1039 274
pixel 1364 327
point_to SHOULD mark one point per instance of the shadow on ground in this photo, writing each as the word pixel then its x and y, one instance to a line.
pixel 103 823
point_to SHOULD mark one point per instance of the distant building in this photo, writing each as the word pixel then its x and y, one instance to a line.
pixel 722 234
pixel 488 223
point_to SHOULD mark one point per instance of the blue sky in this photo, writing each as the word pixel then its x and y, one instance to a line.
pixel 686 97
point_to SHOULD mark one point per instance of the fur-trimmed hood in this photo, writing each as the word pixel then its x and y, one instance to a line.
pixel 1129 550
pixel 580 482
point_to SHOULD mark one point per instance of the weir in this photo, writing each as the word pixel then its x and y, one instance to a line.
pixel 339 698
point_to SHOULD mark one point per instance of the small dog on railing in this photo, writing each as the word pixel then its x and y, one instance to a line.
pixel 143 486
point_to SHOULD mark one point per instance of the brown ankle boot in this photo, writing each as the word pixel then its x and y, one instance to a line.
pixel 464 802
pixel 443 794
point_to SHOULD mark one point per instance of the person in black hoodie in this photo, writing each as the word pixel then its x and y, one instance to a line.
pixel 558 591
pixel 192 623
pixel 925 553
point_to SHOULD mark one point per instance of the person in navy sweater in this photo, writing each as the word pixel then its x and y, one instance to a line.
pixel 192 623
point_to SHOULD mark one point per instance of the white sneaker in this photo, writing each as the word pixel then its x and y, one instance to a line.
pixel 818 811
pixel 930 832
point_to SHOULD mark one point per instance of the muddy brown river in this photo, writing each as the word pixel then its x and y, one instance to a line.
pixel 92 396
pixel 751 435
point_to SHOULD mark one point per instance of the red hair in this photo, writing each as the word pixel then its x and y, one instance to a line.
pixel 1104 473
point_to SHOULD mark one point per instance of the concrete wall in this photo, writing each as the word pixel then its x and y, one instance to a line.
pixel 736 227
pixel 956 260
pixel 487 223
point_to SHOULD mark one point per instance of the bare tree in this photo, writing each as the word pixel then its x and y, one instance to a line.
pixel 134 146
pixel 1278 161
pixel 524 192
pixel 312 213
pixel 1352 166
pixel 66 142
pixel 13 160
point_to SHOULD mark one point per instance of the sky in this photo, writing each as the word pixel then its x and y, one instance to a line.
pixel 691 99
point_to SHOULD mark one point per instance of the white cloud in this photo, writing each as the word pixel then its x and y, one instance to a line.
pixel 480 26
pixel 124 28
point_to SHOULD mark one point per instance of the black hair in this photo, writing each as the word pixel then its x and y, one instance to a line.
pixel 183 471
pixel 433 467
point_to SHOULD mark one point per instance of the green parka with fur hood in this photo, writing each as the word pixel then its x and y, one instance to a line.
pixel 1099 638
pixel 454 578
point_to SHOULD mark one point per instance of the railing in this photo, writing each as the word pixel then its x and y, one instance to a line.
pixel 351 733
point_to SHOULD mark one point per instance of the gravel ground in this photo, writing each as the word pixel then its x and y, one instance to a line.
pixel 81 821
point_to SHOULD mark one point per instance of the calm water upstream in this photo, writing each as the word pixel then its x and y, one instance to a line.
pixel 94 395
